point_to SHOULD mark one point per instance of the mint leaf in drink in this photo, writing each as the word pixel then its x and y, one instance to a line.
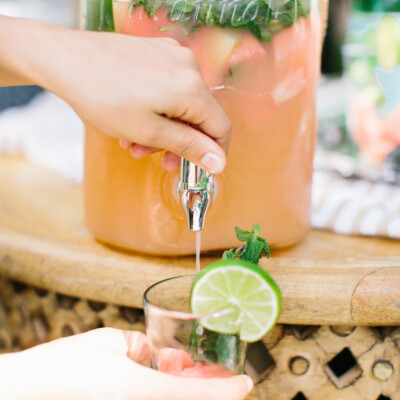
pixel 260 17
pixel 266 246
pixel 255 246
pixel 229 350
pixel 245 236
pixel 229 254
pixel 252 251
pixel 150 6
pixel 216 348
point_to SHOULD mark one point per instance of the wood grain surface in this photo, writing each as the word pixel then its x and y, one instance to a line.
pixel 326 279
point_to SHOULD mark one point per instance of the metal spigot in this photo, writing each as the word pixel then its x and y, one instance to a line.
pixel 195 191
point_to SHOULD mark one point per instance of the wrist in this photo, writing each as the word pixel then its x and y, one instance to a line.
pixel 10 47
pixel 28 51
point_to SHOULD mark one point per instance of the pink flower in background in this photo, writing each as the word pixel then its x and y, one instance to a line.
pixel 375 136
pixel 391 126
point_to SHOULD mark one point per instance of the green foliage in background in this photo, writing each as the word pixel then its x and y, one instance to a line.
pixel 376 5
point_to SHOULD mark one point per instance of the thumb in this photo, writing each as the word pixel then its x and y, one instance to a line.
pixel 183 388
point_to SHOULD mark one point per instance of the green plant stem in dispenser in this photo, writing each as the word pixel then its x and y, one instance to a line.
pixel 99 15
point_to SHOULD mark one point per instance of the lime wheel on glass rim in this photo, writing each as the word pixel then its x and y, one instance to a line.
pixel 246 298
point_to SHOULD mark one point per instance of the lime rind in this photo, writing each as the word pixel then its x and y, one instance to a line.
pixel 247 299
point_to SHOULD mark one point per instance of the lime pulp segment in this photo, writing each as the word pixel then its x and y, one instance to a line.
pixel 246 298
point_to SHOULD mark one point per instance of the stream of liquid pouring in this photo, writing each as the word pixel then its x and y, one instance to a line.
pixel 198 242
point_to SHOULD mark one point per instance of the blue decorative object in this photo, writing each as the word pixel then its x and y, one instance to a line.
pixel 17 95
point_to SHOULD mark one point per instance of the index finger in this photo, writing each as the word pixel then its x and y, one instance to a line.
pixel 206 114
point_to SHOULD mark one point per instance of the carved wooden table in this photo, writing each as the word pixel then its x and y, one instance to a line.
pixel 336 339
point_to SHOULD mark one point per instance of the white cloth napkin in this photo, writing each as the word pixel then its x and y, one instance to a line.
pixel 355 206
pixel 48 132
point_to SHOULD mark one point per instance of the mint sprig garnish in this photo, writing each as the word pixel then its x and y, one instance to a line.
pixel 253 249
pixel 261 17
pixel 220 348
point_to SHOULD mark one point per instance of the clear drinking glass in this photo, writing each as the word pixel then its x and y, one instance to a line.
pixel 179 344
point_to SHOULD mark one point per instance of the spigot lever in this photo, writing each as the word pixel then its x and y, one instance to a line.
pixel 195 190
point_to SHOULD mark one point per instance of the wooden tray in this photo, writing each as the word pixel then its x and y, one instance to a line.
pixel 328 279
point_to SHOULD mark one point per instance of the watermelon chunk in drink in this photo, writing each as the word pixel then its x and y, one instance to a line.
pixel 173 361
pixel 204 370
pixel 247 50
pixel 179 363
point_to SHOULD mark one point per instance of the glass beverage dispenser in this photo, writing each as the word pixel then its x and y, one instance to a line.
pixel 260 58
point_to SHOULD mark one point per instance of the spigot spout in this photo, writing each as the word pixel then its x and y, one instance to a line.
pixel 195 190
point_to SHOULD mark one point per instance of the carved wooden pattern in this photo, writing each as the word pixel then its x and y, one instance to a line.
pixel 307 362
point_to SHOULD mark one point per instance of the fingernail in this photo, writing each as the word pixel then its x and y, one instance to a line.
pixel 213 163
pixel 124 144
pixel 136 152
pixel 144 353
pixel 249 383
